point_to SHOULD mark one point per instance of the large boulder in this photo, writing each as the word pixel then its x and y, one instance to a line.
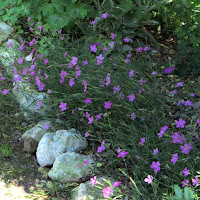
pixel 70 167
pixel 38 130
pixel 53 144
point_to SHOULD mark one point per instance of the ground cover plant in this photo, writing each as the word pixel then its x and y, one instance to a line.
pixel 141 119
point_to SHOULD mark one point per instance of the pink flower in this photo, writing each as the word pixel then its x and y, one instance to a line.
pixel 142 141
pixel 87 134
pixel 131 97
pixel 104 16
pixel 185 182
pixel 92 23
pixel 46 61
pixel 155 166
pixel 117 183
pixel 20 61
pixel 74 61
pixel 169 70
pixel 32 42
pixel 186 148
pixel 63 106
pixel 93 48
pixel 101 148
pixel 107 192
pixel 139 49
pixel 180 84
pixel 180 123
pixel 104 48
pixel 107 105
pixel 93 181
pixel 5 91
pixel 10 44
pixel 149 179
pixel 46 126
pixel 88 100
pixel 113 36
pixel 186 172
pixel 126 39
pixel 155 151
pixel 174 158
pixel 131 73
pixel 86 162
pixel 122 154
pixel 98 116
pixel 91 119
pixel 133 116
pixel 65 54
pixel 195 181
pixel 49 91
pixel 71 82
pixel 111 45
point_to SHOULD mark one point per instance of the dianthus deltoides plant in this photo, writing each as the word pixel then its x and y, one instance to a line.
pixel 118 102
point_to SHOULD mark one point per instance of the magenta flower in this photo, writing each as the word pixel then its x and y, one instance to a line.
pixel 142 141
pixel 118 150
pixel 133 116
pixel 117 183
pixel 93 48
pixel 116 89
pixel 63 106
pixel 186 148
pixel 87 134
pixel 39 104
pixel 74 61
pixel 104 16
pixel 101 148
pixel 86 162
pixel 46 61
pixel 92 23
pixel 146 48
pixel 46 126
pixel 155 166
pixel 32 42
pixel 126 39
pixel 185 183
pixel 180 123
pixel 122 154
pixel 107 105
pixel 93 181
pixel 111 45
pixel 180 84
pixel 5 91
pixel 186 172
pixel 29 18
pixel 71 82
pixel 177 138
pixel 139 49
pixel 10 44
pixel 98 116
pixel 20 61
pixel 88 100
pixel 195 181
pixel 131 73
pixel 113 36
pixel 188 103
pixel 169 70
pixel 149 179
pixel 49 91
pixel 104 48
pixel 90 120
pixel 107 192
pixel 155 151
pixel 174 158
pixel 131 97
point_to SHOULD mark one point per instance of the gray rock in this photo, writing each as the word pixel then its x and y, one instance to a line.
pixel 30 145
pixel 9 55
pixel 86 192
pixel 5 31
pixel 53 144
pixel 70 167
pixel 38 131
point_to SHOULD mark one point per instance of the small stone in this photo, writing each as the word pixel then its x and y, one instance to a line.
pixel 30 145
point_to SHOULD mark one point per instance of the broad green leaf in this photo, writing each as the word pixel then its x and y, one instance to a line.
pixel 108 5
pixel 188 194
pixel 99 164
pixel 126 48
pixel 178 192
pixel 47 9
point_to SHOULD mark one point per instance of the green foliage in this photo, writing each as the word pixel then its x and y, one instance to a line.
pixel 182 18
pixel 126 18
pixel 5 150
pixel 56 13
pixel 185 194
